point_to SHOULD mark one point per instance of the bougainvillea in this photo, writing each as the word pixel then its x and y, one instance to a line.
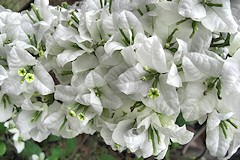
pixel 125 69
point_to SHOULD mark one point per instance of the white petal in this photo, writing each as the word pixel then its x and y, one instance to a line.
pixel 19 145
pixel 120 130
pixel 182 49
pixel 54 121
pixel 114 72
pixel 235 44
pixel 168 12
pixel 91 100
pixel 41 3
pixel 146 150
pixel 93 79
pixel 201 39
pixel 170 95
pixel 231 74
pixel 133 141
pixel 158 55
pixel 235 144
pixel 3 37
pixel 176 134
pixel 3 74
pixel 129 55
pixel 196 104
pixel 38 134
pixel 127 20
pixel 23 122
pixel 68 56
pixel 43 82
pixel 10 84
pixel 168 102
pixel 215 118
pixel 220 19
pixel 191 72
pixel 106 134
pixel 151 53
pixel 216 142
pixel 173 77
pixel 65 93
pixel 130 81
pixel 20 58
pixel 110 99
pixel 92 21
pixel 192 9
pixel 5 113
pixel 84 62
pixel 111 46
pixel 206 64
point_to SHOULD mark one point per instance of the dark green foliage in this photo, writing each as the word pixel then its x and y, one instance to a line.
pixel 31 148
pixel 3 148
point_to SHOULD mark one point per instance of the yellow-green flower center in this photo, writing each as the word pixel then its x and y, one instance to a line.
pixel 22 72
pixel 153 93
pixel 29 78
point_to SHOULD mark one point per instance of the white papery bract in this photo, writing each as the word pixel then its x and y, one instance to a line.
pixel 230 74
pixel 126 69
pixel 215 15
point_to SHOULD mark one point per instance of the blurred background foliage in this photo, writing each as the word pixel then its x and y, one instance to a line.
pixel 15 5
pixel 19 5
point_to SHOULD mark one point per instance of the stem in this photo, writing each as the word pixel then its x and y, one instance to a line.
pixel 158 136
pixel 214 4
pixel 63 124
pixel 140 12
pixel 126 39
pixel 223 129
pixel 110 6
pixel 181 21
pixel 226 43
pixel 101 3
pixel 198 134
pixel 169 39
pixel 35 40
pixel 233 124
pixel 202 154
pixel 75 18
pixel 147 8
pixel 33 20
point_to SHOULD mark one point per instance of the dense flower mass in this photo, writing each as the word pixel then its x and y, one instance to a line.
pixel 125 69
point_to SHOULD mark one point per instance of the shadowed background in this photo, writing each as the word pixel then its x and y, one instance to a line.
pixel 18 5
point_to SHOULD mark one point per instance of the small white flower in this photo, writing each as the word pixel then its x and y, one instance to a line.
pixel 41 156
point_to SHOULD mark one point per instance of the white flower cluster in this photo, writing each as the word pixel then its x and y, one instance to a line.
pixel 125 69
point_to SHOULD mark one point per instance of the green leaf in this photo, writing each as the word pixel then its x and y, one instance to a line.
pixel 53 138
pixel 56 153
pixel 53 158
pixel 71 146
pixel 3 148
pixel 167 156
pixel 30 149
pixel 106 157
pixel 2 128
pixel 175 145
pixel 180 120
